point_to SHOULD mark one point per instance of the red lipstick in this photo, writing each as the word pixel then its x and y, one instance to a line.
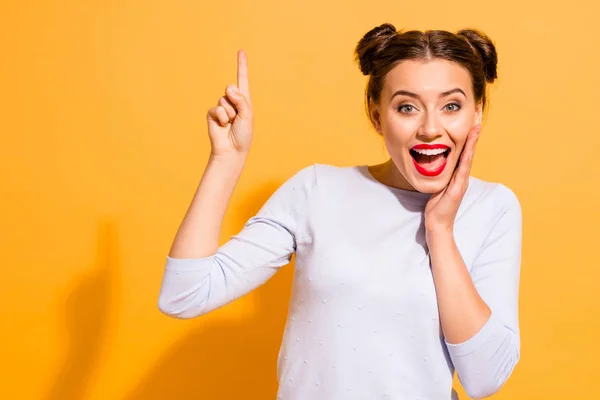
pixel 424 146
pixel 429 165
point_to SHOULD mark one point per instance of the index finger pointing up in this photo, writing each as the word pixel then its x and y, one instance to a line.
pixel 242 74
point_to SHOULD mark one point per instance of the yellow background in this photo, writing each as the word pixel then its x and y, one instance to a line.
pixel 102 116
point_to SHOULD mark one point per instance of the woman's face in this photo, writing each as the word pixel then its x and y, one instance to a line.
pixel 425 111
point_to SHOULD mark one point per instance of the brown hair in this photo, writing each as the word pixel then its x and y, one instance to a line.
pixel 383 47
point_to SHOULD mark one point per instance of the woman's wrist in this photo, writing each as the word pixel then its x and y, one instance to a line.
pixel 439 234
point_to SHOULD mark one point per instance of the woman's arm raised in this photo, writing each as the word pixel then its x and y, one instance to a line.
pixel 230 132
pixel 199 275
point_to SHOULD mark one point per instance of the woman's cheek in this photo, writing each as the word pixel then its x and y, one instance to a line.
pixel 459 125
pixel 400 130
pixel 397 144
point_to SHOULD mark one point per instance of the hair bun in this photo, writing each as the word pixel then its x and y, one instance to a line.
pixel 486 50
pixel 372 44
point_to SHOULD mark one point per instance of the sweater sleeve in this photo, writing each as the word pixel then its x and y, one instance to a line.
pixel 485 361
pixel 194 286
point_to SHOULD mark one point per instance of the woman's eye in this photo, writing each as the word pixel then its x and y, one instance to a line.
pixel 406 108
pixel 452 107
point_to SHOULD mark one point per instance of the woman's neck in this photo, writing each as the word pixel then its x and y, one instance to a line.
pixel 388 174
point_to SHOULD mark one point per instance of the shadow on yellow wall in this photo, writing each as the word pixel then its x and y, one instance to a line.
pixel 228 359
pixel 231 359
pixel 86 317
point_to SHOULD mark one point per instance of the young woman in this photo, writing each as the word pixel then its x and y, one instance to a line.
pixel 405 271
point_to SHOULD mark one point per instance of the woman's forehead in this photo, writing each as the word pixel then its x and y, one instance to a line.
pixel 427 77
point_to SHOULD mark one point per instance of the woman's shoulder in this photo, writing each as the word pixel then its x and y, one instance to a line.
pixel 335 170
pixel 322 173
pixel 492 195
pixel 317 176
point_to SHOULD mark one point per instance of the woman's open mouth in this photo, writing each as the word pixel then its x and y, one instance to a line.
pixel 430 159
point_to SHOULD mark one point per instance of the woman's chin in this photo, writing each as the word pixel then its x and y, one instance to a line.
pixel 430 185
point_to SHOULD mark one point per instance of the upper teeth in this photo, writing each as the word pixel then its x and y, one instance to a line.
pixel 430 152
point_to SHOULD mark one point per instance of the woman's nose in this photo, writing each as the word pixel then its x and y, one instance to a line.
pixel 431 126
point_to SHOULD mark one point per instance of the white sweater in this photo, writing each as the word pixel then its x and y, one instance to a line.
pixel 363 318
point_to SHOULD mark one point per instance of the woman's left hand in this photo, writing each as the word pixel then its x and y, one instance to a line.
pixel 442 207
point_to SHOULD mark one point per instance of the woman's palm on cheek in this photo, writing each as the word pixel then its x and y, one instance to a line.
pixel 441 209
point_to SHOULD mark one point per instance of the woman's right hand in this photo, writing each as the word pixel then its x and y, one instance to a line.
pixel 230 121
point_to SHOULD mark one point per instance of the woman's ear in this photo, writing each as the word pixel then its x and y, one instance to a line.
pixel 375 117
pixel 478 114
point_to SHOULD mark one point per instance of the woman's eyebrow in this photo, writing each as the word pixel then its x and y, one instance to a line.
pixel 455 90
pixel 416 96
